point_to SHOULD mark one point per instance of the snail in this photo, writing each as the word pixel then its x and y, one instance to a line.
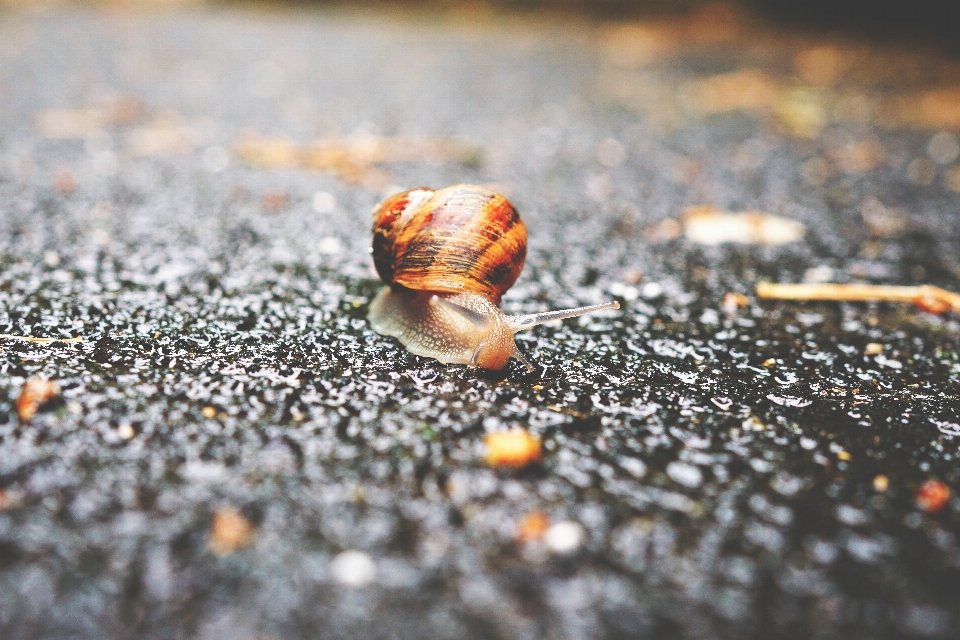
pixel 447 257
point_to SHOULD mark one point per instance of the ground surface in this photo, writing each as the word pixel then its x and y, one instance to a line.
pixel 230 425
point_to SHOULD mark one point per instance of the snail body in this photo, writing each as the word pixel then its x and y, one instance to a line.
pixel 447 257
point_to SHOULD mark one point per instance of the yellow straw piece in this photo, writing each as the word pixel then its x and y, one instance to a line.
pixel 8 336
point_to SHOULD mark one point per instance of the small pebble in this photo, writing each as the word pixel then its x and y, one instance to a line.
pixel 324 202
pixel 873 349
pixel 686 474
pixel 564 537
pixel 353 568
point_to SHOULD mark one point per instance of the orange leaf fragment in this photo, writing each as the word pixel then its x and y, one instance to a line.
pixel 932 496
pixel 532 526
pixel 229 531
pixel 35 393
pixel 513 448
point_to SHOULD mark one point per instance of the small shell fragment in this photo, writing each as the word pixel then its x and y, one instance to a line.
pixel 513 448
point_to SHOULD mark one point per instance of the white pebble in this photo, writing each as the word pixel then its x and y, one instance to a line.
pixel 634 467
pixel 686 474
pixel 353 568
pixel 564 537
pixel 329 246
pixel 324 202
pixel 943 148
pixel 651 290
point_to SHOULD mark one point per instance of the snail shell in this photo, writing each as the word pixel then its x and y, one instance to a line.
pixel 461 239
pixel 448 256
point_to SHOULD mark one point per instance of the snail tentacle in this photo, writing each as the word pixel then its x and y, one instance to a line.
pixel 519 323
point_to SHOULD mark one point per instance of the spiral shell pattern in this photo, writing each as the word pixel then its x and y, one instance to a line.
pixel 459 239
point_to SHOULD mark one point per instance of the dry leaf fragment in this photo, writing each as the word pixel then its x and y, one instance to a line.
pixel 532 526
pixel 636 45
pixel 35 393
pixel 64 182
pixel 858 157
pixel 354 160
pixel 69 124
pixel 733 301
pixel 747 90
pixel 10 499
pixel 229 531
pixel 513 448
pixel 165 135
pixel 932 496
pixel 707 224
pixel 882 221
pixel 934 109
pixel 275 200
pixel 82 122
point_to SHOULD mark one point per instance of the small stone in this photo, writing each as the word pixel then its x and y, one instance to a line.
pixel 324 202
pixel 943 148
pixel 126 431
pixel 329 246
pixel 872 349
pixel 564 537
pixel 353 568
pixel 208 412
pixel 651 290
pixel 686 474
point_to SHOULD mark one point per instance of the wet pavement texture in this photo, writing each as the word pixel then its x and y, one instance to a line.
pixel 234 453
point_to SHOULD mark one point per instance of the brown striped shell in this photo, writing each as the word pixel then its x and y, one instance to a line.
pixel 460 239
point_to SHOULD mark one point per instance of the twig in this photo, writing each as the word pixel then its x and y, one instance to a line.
pixel 9 336
pixel 928 297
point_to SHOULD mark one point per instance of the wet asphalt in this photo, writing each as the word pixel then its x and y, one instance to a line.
pixel 709 469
